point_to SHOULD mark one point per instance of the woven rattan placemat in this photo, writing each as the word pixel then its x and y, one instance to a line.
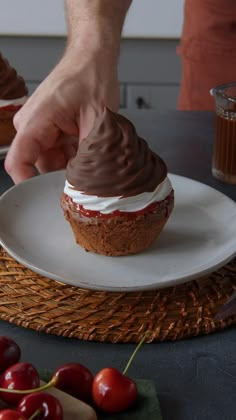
pixel 32 301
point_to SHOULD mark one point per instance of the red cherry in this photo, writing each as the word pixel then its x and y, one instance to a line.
pixel 112 391
pixel 74 379
pixel 49 406
pixel 11 415
pixel 19 376
pixel 9 353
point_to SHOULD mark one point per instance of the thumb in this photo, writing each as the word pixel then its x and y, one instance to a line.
pixel 87 118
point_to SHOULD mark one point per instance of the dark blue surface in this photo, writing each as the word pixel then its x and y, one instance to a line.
pixel 195 378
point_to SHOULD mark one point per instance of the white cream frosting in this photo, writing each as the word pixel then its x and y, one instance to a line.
pixel 14 102
pixel 107 205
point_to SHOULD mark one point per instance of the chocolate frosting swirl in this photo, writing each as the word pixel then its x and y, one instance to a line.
pixel 12 86
pixel 114 161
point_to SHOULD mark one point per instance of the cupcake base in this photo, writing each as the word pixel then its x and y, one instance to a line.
pixel 118 234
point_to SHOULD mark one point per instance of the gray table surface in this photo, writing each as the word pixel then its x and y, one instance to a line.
pixel 195 378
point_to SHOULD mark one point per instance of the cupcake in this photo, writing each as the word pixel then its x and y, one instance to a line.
pixel 13 94
pixel 117 195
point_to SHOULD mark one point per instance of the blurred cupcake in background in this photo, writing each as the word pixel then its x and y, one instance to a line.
pixel 13 95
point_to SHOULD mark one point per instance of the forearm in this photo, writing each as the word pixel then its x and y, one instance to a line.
pixel 96 21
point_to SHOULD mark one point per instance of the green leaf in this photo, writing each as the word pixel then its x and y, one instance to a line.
pixel 147 406
pixel 45 375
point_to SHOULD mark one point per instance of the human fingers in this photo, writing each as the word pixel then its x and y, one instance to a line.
pixel 25 149
pixel 20 159
pixel 57 157
pixel 87 117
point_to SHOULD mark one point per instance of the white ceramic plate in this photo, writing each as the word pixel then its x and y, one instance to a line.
pixel 3 152
pixel 199 238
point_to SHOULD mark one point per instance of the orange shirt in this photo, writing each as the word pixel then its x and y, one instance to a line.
pixel 208 51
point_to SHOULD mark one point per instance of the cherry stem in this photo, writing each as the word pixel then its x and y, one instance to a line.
pixel 135 352
pixel 35 414
pixel 51 383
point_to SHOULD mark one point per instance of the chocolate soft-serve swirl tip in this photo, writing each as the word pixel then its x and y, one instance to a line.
pixel 114 161
pixel 12 86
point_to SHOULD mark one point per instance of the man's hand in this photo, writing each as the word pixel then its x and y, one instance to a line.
pixel 63 108
pixel 61 111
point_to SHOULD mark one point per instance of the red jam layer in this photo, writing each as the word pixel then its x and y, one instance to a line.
pixel 14 108
pixel 152 208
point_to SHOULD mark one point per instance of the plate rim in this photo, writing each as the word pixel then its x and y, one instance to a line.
pixel 207 268
pixel 153 286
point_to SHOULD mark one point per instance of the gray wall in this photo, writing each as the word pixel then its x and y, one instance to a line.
pixel 148 69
